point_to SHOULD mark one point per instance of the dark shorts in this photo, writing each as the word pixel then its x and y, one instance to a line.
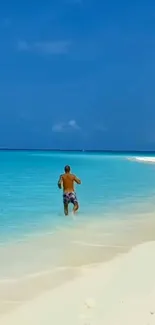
pixel 70 198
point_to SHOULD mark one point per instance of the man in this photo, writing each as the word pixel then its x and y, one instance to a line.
pixel 67 180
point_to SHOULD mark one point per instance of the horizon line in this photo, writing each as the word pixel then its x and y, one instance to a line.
pixel 78 150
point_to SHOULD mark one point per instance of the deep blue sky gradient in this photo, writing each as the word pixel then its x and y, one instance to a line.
pixel 77 74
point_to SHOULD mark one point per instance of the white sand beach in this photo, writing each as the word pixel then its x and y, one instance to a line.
pixel 118 292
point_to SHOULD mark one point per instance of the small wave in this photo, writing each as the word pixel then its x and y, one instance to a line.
pixel 46 272
pixel 97 245
pixel 146 160
pixel 34 275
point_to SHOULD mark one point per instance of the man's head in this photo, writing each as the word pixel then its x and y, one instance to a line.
pixel 67 169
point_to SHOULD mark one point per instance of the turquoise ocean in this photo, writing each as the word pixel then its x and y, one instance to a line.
pixel 31 202
pixel 40 248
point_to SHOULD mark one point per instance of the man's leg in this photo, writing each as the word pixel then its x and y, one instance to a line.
pixel 76 207
pixel 65 202
pixel 66 209
pixel 75 202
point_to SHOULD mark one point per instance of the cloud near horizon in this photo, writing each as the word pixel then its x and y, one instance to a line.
pixel 46 47
pixel 72 125
pixel 65 127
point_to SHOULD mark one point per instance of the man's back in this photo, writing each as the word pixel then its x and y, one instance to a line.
pixel 68 182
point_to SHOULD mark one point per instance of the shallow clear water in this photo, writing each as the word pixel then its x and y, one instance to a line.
pixel 40 248
pixel 31 202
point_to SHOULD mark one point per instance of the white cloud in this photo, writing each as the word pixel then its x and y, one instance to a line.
pixel 47 47
pixel 58 127
pixel 73 124
pixel 23 46
pixel 65 127
pixel 59 47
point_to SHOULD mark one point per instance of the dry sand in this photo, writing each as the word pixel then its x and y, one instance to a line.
pixel 118 292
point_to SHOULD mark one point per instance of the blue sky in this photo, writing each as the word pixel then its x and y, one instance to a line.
pixel 77 74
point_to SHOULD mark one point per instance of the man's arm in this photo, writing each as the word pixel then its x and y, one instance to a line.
pixel 77 180
pixel 60 181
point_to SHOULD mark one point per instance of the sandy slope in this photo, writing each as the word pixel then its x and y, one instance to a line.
pixel 121 292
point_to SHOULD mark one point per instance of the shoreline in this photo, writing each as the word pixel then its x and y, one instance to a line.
pixel 120 291
pixel 48 263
